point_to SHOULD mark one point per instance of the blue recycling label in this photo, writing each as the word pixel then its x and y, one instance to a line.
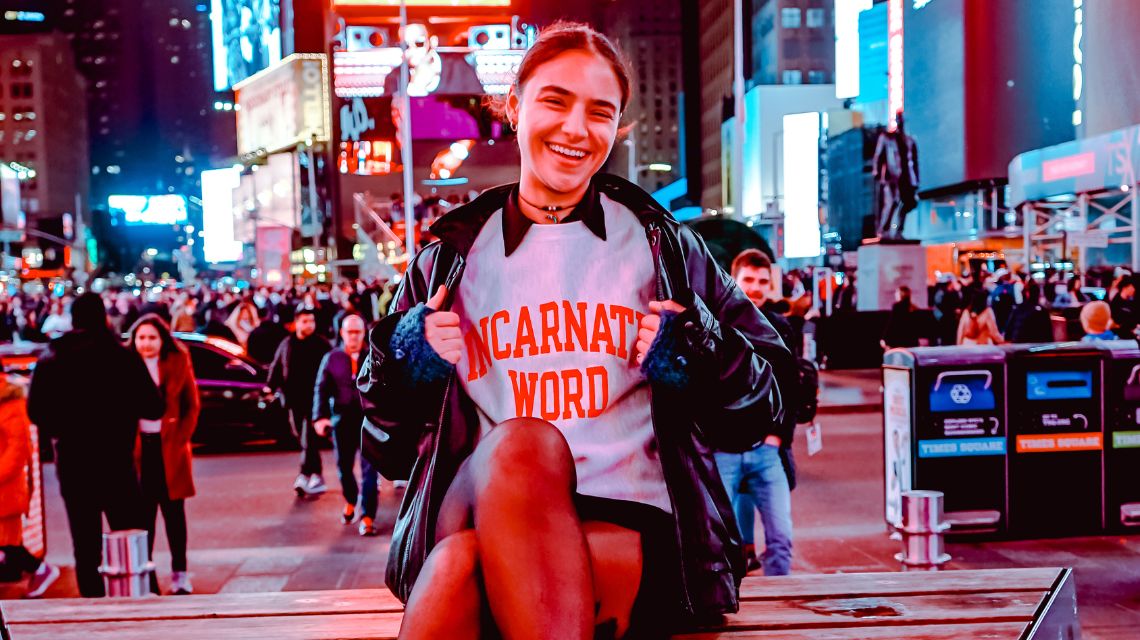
pixel 961 447
pixel 962 391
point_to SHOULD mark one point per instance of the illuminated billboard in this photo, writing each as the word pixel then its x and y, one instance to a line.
pixel 218 240
pixel 284 105
pixel 164 209
pixel 246 38
pixel 372 72
pixel 801 185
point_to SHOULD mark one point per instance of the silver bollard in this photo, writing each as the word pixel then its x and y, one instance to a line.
pixel 922 528
pixel 126 565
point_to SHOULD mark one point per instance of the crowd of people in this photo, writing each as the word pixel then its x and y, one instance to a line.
pixel 310 339
pixel 1010 306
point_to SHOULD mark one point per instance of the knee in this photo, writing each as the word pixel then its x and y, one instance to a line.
pixel 529 446
pixel 456 558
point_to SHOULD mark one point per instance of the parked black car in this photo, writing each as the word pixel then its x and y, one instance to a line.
pixel 231 385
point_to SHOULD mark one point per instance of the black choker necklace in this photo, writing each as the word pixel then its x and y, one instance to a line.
pixel 549 209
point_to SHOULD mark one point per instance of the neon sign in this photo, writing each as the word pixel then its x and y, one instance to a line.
pixel 24 16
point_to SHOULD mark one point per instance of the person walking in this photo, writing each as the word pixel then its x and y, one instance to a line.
pixel 1030 321
pixel 541 380
pixel 337 409
pixel 16 464
pixel 978 325
pixel 757 479
pixel 1125 312
pixel 77 399
pixel 293 373
pixel 242 321
pixel 902 326
pixel 163 451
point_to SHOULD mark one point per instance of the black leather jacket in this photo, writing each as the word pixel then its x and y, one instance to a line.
pixel 732 404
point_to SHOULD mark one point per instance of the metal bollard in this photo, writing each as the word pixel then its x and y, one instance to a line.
pixel 922 526
pixel 126 564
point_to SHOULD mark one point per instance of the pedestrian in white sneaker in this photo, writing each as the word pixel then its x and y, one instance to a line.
pixel 294 374
pixel 16 463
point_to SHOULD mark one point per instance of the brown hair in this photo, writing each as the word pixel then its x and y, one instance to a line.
pixel 754 258
pixel 558 38
pixel 169 345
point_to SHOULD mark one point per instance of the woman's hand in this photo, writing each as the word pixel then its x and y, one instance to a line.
pixel 441 329
pixel 651 324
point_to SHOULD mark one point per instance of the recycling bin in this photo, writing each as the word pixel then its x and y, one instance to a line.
pixel 1122 436
pixel 944 430
pixel 1056 439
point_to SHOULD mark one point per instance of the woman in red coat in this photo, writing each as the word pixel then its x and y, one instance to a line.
pixel 163 452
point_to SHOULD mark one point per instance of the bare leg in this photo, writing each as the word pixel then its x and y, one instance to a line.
pixel 448 598
pixel 541 571
pixel 532 551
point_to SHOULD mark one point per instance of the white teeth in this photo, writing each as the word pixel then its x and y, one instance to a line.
pixel 566 151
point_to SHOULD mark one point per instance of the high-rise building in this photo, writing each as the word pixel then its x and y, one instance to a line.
pixel 785 42
pixel 152 117
pixel 792 42
pixel 649 32
pixel 715 54
pixel 43 124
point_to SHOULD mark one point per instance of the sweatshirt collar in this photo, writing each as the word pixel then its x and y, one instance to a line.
pixel 516 224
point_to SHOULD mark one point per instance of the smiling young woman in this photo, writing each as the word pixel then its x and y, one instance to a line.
pixel 556 371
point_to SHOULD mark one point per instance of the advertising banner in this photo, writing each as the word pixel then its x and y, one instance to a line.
pixel 246 38
pixel 897 417
pixel 284 105
pixel 274 245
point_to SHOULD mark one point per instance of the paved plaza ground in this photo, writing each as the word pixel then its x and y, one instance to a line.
pixel 248 532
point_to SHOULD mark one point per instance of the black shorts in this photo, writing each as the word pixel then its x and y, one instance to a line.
pixel 660 589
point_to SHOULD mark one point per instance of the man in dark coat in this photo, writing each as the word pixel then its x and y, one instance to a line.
pixel 294 374
pixel 88 394
pixel 337 408
pixel 265 338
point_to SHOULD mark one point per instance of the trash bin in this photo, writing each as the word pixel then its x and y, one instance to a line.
pixel 126 564
pixel 944 430
pixel 1056 439
pixel 1122 435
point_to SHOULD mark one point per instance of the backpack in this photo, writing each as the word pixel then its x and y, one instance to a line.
pixel 807 390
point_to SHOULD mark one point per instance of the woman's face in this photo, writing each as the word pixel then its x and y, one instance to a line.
pixel 147 341
pixel 567 119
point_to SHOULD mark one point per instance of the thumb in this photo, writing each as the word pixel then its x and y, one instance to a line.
pixel 437 300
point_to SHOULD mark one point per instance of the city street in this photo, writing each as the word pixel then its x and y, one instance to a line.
pixel 249 533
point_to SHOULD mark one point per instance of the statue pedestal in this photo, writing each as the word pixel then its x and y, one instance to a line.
pixel 884 266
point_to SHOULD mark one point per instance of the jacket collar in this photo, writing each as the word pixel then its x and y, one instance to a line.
pixel 459 227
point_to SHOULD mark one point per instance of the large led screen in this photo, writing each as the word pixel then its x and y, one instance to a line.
pixel 246 38
pixel 801 185
pixel 165 209
pixel 218 187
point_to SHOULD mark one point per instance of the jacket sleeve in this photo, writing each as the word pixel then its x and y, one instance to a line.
pixel 43 408
pixel 396 411
pixel 276 378
pixel 739 360
pixel 15 447
pixel 190 405
pixel 323 391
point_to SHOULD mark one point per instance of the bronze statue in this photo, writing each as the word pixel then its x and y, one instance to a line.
pixel 895 166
